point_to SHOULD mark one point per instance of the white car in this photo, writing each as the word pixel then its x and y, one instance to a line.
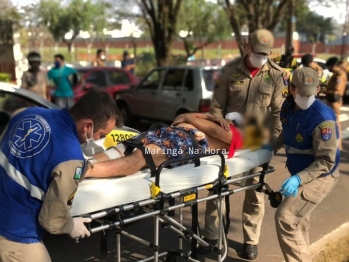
pixel 13 98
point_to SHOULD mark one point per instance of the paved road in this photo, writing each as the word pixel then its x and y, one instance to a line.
pixel 330 214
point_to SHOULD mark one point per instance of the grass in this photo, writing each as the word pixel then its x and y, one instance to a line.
pixel 116 53
pixel 81 54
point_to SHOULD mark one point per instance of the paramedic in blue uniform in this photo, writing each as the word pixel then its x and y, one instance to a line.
pixel 310 137
pixel 41 164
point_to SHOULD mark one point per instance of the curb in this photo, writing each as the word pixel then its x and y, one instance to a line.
pixel 334 237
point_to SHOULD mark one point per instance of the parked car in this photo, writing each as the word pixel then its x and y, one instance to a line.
pixel 109 79
pixel 166 92
pixel 13 98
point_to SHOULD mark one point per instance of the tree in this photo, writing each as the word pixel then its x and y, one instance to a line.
pixel 256 13
pixel 161 18
pixel 8 11
pixel 79 15
pixel 201 23
pixel 312 26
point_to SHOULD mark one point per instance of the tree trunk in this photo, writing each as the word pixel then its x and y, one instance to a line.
pixel 69 46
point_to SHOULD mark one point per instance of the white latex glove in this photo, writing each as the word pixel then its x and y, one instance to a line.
pixel 79 229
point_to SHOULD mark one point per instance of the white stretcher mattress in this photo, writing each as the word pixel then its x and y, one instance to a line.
pixel 98 194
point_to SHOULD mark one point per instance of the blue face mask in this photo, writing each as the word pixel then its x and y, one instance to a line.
pixel 57 64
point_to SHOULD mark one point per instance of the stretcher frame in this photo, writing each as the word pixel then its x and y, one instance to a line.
pixel 160 212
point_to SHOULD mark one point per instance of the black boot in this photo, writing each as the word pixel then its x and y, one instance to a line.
pixel 203 250
pixel 251 251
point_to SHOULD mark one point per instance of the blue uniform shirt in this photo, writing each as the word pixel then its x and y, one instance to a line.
pixel 60 77
pixel 298 130
pixel 36 141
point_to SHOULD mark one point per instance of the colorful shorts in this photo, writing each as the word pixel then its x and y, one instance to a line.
pixel 175 142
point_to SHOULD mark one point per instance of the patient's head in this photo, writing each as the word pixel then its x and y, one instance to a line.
pixel 252 132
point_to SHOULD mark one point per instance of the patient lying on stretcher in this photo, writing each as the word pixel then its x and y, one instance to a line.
pixel 189 134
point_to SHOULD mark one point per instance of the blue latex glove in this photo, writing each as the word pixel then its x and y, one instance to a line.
pixel 290 186
pixel 268 147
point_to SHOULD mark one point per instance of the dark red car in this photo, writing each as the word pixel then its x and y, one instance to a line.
pixel 109 79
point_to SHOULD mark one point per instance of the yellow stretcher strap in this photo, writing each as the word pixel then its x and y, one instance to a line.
pixel 154 190
pixel 226 172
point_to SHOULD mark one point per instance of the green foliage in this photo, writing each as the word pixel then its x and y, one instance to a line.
pixel 309 23
pixel 4 77
pixel 314 27
pixel 79 15
pixel 9 12
pixel 206 23
pixel 145 62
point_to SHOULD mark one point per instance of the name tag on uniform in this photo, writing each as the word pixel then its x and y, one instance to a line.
pixel 237 82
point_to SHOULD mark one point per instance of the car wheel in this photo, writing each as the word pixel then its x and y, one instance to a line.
pixel 126 115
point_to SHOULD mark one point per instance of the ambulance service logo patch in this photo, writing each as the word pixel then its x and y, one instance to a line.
pixel 29 136
pixel 299 138
pixel 285 92
pixel 326 134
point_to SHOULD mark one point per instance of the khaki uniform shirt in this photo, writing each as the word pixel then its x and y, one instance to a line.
pixel 337 83
pixel 37 84
pixel 237 91
pixel 54 215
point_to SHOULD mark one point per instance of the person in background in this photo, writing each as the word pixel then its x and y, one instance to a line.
pixel 128 63
pixel 335 88
pixel 35 79
pixel 307 60
pixel 309 135
pixel 99 61
pixel 288 61
pixel 250 85
pixel 64 79
pixel 41 166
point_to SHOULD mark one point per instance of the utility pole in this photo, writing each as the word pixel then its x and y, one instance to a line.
pixel 345 32
pixel 290 24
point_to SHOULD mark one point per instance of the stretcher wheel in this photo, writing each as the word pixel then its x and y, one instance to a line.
pixel 275 199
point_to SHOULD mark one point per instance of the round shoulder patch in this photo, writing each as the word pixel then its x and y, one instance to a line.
pixel 29 136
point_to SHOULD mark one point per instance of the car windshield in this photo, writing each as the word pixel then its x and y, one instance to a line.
pixel 210 76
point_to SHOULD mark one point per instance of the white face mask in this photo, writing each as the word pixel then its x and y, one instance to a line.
pixel 304 102
pixel 91 147
pixel 257 60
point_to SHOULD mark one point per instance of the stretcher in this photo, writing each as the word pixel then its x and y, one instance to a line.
pixel 97 194
pixel 106 201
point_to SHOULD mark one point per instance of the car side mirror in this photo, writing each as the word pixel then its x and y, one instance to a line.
pixel 88 86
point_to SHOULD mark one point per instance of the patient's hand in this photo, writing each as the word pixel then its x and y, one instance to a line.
pixel 221 122
pixel 199 135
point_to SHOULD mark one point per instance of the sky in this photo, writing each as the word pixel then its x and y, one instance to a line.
pixel 337 12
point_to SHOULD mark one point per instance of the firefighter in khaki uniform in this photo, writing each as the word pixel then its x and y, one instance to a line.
pixel 335 88
pixel 41 164
pixel 248 85
pixel 309 135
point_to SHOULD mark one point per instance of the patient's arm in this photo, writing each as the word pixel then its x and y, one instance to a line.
pixel 126 166
pixel 209 128
pixel 215 119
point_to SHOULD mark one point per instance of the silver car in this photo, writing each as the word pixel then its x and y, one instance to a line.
pixel 166 92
